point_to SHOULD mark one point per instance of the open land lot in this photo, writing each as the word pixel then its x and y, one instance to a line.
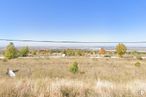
pixel 50 77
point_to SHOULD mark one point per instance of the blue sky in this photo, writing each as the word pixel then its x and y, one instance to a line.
pixel 73 20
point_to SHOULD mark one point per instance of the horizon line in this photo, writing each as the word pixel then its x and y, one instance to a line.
pixel 64 41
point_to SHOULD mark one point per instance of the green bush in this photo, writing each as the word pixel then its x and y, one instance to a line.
pixel 109 56
pixel 34 52
pixel 24 52
pixel 10 51
pixel 121 49
pixel 74 67
pixel 137 64
pixel 68 92
pixel 134 53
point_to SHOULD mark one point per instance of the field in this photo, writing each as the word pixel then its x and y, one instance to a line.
pixel 50 77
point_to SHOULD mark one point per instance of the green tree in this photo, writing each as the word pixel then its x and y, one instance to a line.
pixel 24 52
pixel 74 67
pixel 121 49
pixel 10 51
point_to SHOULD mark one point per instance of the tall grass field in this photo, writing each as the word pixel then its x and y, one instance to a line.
pixel 51 77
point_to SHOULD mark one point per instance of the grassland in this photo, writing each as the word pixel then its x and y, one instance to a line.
pixel 50 77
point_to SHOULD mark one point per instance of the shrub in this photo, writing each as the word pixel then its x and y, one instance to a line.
pixel 79 53
pixel 139 57
pixel 68 92
pixel 137 64
pixel 134 53
pixel 101 51
pixel 121 49
pixel 24 52
pixel 74 67
pixel 109 56
pixel 34 52
pixel 69 52
pixel 4 60
pixel 10 51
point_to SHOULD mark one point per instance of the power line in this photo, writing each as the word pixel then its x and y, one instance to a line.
pixel 46 41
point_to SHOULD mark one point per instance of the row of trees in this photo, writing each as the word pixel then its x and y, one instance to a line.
pixel 11 51
pixel 67 52
pixel 120 50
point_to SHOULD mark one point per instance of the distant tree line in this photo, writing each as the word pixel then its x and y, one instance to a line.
pixel 67 52
pixel 11 51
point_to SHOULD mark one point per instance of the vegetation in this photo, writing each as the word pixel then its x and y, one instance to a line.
pixel 109 56
pixel 113 69
pixel 134 53
pixel 10 51
pixel 101 51
pixel 73 52
pixel 69 88
pixel 33 52
pixel 137 64
pixel 40 77
pixel 50 78
pixel 138 57
pixel 74 67
pixel 121 49
pixel 24 52
pixel 67 52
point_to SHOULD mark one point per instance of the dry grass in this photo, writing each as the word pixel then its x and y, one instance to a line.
pixel 106 69
pixel 70 88
pixel 52 78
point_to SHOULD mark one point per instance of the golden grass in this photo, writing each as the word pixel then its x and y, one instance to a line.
pixel 70 88
pixel 106 69
pixel 51 78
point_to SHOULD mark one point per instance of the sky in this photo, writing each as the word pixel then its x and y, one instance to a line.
pixel 73 20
